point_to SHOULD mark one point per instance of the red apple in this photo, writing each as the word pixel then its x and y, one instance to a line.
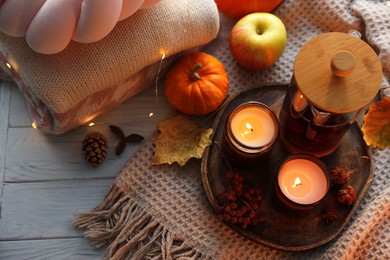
pixel 258 40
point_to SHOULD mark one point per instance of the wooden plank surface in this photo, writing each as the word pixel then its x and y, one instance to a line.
pixel 73 248
pixel 4 112
pixel 46 209
pixel 35 156
pixel 18 116
pixel 45 181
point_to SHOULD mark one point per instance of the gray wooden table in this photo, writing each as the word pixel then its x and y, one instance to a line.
pixel 45 181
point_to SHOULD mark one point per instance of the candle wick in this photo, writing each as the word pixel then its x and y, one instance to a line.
pixel 297 184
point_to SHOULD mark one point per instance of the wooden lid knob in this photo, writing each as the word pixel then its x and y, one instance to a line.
pixel 342 63
pixel 337 72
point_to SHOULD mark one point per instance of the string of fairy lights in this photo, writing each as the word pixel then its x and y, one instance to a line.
pixel 12 70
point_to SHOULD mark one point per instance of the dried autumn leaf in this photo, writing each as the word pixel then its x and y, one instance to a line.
pixel 180 139
pixel 376 126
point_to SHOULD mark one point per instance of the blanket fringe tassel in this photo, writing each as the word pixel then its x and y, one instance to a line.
pixel 130 232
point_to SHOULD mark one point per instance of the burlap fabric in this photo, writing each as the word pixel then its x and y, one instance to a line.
pixel 70 88
pixel 161 212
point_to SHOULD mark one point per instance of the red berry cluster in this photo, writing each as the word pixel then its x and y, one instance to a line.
pixel 238 205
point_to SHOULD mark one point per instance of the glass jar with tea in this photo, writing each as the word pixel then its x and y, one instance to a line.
pixel 335 76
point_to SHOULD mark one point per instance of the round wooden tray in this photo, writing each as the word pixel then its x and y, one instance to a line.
pixel 284 229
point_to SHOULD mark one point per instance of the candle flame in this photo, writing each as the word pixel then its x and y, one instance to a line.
pixel 297 182
pixel 249 126
pixel 248 130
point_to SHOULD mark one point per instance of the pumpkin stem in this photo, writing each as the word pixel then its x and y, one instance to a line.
pixel 194 75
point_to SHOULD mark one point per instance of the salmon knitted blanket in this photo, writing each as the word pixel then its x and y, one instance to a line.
pixel 69 88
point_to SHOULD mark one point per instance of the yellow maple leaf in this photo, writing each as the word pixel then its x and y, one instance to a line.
pixel 180 139
pixel 376 125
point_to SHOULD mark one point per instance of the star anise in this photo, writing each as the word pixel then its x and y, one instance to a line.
pixel 329 215
pixel 124 139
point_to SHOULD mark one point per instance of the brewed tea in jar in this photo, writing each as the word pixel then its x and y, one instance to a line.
pixel 335 76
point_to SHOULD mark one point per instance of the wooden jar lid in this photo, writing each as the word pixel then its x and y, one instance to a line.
pixel 337 72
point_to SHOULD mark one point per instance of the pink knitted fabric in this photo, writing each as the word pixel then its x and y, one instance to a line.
pixel 50 25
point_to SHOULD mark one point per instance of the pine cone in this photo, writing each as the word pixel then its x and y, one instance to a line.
pixel 95 148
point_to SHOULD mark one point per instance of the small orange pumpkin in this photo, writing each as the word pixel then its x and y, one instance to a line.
pixel 197 84
pixel 235 9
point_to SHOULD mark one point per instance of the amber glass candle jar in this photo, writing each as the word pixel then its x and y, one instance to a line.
pixel 251 131
pixel 303 181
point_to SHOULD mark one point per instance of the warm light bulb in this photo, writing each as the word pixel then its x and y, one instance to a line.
pixel 163 52
pixel 91 124
pixel 8 65
pixel 34 125
pixel 151 114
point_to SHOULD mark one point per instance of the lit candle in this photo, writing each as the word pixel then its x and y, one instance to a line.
pixel 251 131
pixel 253 126
pixel 303 180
